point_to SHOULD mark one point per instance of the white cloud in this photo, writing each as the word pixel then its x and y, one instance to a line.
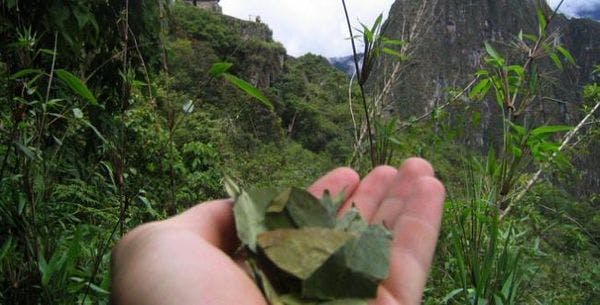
pixel 571 7
pixel 316 26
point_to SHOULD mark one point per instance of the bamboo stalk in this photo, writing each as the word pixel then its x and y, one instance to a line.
pixel 538 174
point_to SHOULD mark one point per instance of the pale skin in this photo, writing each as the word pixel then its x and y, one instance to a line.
pixel 187 259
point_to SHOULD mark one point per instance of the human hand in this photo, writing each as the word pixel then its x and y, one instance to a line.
pixel 187 259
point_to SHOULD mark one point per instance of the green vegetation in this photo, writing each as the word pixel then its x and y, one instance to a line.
pixel 115 113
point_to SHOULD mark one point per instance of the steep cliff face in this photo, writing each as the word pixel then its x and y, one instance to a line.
pixel 449 48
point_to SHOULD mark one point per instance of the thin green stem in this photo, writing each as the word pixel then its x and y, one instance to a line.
pixel 360 84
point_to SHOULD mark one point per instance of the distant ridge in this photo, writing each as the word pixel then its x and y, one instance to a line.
pixel 593 13
pixel 345 63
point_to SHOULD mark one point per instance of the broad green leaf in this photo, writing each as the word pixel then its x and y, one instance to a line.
pixel 219 68
pixel 482 72
pixel 377 23
pixel 451 295
pixel 301 251
pixel 25 150
pixel 45 270
pixel 368 35
pixel 492 52
pixel 393 42
pixel 96 131
pixel 544 130
pixel 542 22
pixel 392 52
pixel 249 89
pixel 516 151
pixel 26 72
pixel 481 89
pixel 566 54
pixel 48 51
pixel 77 86
pixel 6 247
pixel 520 130
pixel 530 37
pixel 556 61
pixel 519 70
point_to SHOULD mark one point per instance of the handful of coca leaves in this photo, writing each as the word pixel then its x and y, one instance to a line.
pixel 300 252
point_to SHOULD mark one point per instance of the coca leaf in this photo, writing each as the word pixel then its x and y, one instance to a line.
pixel 369 254
pixel 290 299
pixel 308 211
pixel 351 221
pixel 280 201
pixel 333 204
pixel 301 251
pixel 249 213
pixel 354 271
pixel 334 280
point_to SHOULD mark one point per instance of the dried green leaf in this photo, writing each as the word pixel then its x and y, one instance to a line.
pixel 301 251
pixel 369 254
pixel 232 189
pixel 249 213
pixel 307 211
pixel 265 284
pixel 362 263
pixel 351 221
pixel 290 299
pixel 333 204
pixel 346 302
pixel 280 201
pixel 333 279
pixel 280 220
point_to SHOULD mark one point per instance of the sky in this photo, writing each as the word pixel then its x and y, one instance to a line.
pixel 571 7
pixel 319 26
pixel 315 26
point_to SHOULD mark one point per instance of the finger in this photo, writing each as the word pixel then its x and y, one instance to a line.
pixel 371 191
pixel 399 191
pixel 415 235
pixel 342 179
pixel 212 220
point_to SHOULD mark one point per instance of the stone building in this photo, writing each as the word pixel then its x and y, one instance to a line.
pixel 212 5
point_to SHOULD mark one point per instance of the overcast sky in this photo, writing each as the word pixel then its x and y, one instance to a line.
pixel 571 7
pixel 318 26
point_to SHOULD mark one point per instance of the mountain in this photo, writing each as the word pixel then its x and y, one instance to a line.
pixel 446 48
pixel 593 13
pixel 345 63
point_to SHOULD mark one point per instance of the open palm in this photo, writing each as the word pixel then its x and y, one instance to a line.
pixel 188 259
